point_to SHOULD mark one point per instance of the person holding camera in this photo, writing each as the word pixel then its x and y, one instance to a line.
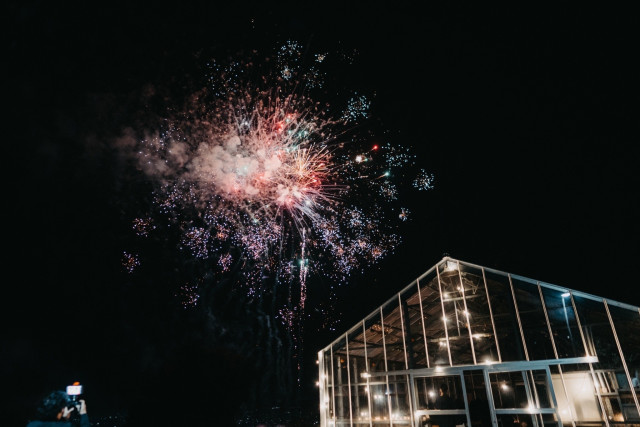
pixel 58 410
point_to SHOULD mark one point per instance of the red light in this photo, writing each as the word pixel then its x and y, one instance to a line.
pixel 375 147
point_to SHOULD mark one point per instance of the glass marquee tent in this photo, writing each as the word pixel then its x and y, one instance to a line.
pixel 512 351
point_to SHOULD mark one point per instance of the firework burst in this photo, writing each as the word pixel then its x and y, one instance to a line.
pixel 257 172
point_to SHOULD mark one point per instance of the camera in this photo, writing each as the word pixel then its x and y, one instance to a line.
pixel 73 392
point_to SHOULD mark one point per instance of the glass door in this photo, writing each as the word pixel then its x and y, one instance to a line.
pixel 487 397
pixel 522 398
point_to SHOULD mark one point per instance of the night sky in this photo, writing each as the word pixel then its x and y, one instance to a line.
pixel 524 117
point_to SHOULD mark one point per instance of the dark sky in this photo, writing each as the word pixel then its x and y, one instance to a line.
pixel 523 115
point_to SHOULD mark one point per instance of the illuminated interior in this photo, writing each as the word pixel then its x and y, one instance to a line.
pixel 511 350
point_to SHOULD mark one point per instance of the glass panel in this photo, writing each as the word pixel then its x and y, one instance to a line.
pixel 575 394
pixel 433 323
pixel 356 356
pixel 509 391
pixel 541 390
pixel 563 323
pixel 414 338
pixel 515 420
pixel 342 403
pixel 393 339
pixel 479 409
pixel 627 324
pixel 399 397
pixel 457 321
pixel 357 373
pixel 546 420
pixel 375 349
pixel 341 380
pixel 359 399
pixel 425 391
pixel 448 395
pixel 518 420
pixel 610 374
pixel 527 420
pixel 534 324
pixel 504 316
pixel 379 403
pixel 484 343
pixel 561 395
pixel 327 378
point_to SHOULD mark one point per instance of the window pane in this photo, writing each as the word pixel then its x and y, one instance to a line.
pixel 627 324
pixel 484 343
pixel 509 390
pixel 357 367
pixel 456 314
pixel 399 397
pixel 449 395
pixel 425 390
pixel 534 324
pixel 341 379
pixel 342 403
pixel 393 339
pixel 479 409
pixel 541 388
pixel 433 321
pixel 610 374
pixel 327 379
pixel 373 340
pixel 564 327
pixel 504 316
pixel 414 338
pixel 515 420
pixel 575 394
pixel 379 403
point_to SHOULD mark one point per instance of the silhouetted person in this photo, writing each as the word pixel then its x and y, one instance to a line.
pixel 57 410
pixel 444 401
